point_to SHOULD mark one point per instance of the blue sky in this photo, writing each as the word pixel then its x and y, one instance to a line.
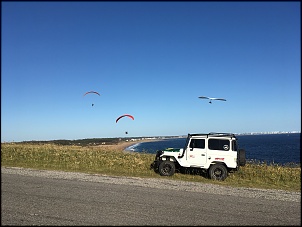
pixel 151 60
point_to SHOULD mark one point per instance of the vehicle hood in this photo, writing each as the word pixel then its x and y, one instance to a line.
pixel 172 150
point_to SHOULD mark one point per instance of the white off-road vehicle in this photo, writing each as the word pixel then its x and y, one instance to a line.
pixel 214 154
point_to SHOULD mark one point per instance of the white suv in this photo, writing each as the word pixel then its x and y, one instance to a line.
pixel 215 154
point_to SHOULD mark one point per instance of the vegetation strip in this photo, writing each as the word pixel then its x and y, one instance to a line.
pixel 112 161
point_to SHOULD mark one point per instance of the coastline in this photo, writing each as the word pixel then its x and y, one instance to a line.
pixel 132 144
pixel 122 146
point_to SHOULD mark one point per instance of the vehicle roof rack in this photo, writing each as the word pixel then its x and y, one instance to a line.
pixel 217 134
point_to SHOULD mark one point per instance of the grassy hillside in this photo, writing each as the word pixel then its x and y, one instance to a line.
pixel 112 160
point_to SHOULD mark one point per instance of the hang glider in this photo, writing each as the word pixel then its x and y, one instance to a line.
pixel 204 97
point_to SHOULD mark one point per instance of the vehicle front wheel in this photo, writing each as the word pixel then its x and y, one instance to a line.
pixel 218 172
pixel 166 168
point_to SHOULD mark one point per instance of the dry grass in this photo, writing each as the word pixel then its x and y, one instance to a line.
pixel 112 160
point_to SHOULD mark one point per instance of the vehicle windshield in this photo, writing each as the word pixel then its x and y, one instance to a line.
pixel 187 142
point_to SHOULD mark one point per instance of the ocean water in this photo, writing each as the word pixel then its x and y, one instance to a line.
pixel 270 148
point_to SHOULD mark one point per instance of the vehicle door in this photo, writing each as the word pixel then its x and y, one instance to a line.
pixel 219 150
pixel 197 154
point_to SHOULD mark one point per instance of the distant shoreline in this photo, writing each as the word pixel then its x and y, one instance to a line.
pixel 125 144
pixel 133 140
pixel 137 142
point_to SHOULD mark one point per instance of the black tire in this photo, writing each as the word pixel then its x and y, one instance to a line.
pixel 166 168
pixel 218 172
pixel 241 157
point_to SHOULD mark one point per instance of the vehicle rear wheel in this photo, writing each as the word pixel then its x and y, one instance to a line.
pixel 218 172
pixel 166 168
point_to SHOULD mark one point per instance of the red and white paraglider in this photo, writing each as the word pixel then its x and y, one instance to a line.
pixel 122 116
pixel 125 115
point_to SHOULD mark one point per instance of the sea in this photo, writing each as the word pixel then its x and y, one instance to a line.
pixel 280 149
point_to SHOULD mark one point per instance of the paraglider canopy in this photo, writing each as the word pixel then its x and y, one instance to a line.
pixel 125 115
pixel 92 93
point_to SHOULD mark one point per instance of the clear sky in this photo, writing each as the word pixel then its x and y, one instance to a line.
pixel 151 60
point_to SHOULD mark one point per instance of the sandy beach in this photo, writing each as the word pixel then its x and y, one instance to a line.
pixel 123 145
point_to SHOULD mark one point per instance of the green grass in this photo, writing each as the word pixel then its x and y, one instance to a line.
pixel 101 160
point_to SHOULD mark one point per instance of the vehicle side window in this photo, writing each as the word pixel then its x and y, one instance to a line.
pixel 234 145
pixel 197 143
pixel 219 144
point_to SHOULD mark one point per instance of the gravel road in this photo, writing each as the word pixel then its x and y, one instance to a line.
pixel 161 184
pixel 41 197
